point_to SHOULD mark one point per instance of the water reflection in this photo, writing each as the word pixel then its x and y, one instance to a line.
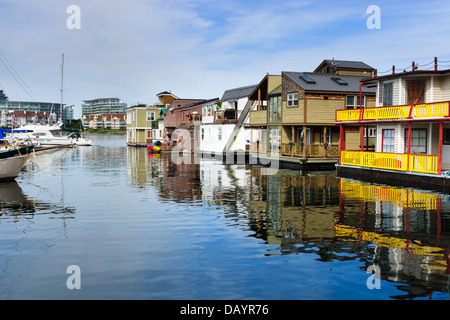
pixel 14 203
pixel 406 233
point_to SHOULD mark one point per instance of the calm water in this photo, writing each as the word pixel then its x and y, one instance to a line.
pixel 140 226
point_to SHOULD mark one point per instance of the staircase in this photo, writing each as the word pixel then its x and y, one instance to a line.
pixel 238 126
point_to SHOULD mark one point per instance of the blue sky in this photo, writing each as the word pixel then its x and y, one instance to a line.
pixel 198 49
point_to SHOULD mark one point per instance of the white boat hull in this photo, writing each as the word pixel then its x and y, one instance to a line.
pixel 11 167
pixel 54 141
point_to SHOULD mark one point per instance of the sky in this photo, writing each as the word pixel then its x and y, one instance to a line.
pixel 135 49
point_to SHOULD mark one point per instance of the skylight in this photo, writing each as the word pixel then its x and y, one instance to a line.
pixel 340 81
pixel 307 79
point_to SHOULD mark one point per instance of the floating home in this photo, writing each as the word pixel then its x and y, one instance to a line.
pixel 412 129
pixel 145 123
pixel 293 119
pixel 224 129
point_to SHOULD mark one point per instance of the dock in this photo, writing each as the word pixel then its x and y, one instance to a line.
pixel 47 148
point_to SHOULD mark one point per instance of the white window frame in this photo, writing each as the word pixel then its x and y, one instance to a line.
pixel 292 99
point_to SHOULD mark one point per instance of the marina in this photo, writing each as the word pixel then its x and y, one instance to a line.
pixel 141 226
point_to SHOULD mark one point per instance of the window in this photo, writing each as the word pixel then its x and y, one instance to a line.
pixel 150 116
pixel 203 133
pixel 340 81
pixel 446 137
pixel 292 99
pixel 307 79
pixel 352 102
pixel 418 141
pixel 274 139
pixel 388 140
pixel 372 132
pixel 388 94
pixel 328 136
pixel 300 135
pixel 274 109
pixel 416 92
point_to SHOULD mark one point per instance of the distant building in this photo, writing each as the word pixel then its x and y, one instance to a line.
pixel 105 121
pixel 103 106
pixel 33 106
pixel 3 97
pixel 22 118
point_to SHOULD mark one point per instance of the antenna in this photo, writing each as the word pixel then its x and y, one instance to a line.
pixel 62 81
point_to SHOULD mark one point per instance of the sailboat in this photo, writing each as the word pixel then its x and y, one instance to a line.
pixel 50 135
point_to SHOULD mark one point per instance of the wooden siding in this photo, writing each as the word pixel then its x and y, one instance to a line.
pixel 292 115
pixel 258 117
pixel 323 111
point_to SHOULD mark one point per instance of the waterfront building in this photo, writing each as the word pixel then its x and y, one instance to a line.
pixel 105 121
pixel 180 120
pixel 294 117
pixel 187 133
pixel 143 126
pixel 145 123
pixel 411 116
pixel 103 106
pixel 22 118
pixel 3 96
pixel 224 125
pixel 33 106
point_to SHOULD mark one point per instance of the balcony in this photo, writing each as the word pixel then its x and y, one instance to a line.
pixel 258 117
pixel 225 116
pixel 193 119
pixel 392 113
pixel 392 161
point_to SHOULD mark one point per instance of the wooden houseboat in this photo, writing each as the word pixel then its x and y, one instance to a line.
pixel 411 117
pixel 293 117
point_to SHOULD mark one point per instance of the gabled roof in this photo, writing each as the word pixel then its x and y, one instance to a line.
pixel 328 82
pixel 179 103
pixel 198 103
pixel 345 64
pixel 238 93
pixel 166 93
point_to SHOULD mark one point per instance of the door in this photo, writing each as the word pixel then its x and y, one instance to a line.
pixel 149 136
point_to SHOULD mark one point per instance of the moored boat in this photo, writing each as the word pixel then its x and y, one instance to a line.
pixel 12 161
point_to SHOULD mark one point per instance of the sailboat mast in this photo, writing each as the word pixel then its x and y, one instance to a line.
pixel 62 82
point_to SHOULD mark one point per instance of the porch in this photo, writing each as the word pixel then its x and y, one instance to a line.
pixel 319 142
pixel 298 150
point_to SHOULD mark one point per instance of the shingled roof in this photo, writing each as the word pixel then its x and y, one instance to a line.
pixel 328 82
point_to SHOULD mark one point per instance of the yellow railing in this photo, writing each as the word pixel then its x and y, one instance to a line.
pixel 418 111
pixel 423 163
pixel 391 161
pixel 348 115
pixel 398 112
pixel 431 110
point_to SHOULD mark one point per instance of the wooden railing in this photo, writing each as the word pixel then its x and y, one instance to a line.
pixel 391 161
pixel 311 150
pixel 417 111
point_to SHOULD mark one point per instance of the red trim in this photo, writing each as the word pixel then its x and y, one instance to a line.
pixel 409 143
pixel 341 142
pixel 362 137
pixel 410 112
pixel 446 118
pixel 441 131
